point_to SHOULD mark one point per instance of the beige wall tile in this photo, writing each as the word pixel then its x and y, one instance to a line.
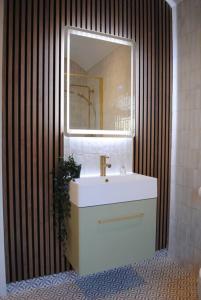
pixel 185 204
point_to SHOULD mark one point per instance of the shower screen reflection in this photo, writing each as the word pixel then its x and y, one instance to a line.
pixel 86 100
pixel 99 83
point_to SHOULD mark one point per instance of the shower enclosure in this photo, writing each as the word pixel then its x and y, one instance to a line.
pixel 86 102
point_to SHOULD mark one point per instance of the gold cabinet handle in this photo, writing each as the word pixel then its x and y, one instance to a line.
pixel 119 219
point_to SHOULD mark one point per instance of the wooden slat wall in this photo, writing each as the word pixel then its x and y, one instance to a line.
pixel 32 110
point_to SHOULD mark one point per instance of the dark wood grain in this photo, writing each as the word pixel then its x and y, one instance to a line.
pixel 112 17
pixel 157 101
pixel 141 85
pixel 40 141
pixel 5 147
pixel 10 155
pixel 98 15
pixel 116 18
pixel 33 122
pixel 22 83
pixel 61 110
pixel 153 87
pixel 120 21
pixel 146 139
pixel 51 132
pixel 149 87
pixel 16 145
pixel 57 112
pixel 28 112
pixel 137 89
pixel 34 137
pixel 129 23
pixel 45 138
pixel 103 17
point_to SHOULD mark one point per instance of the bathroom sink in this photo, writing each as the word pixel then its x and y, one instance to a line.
pixel 92 191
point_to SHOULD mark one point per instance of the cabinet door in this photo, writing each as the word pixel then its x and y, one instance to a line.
pixel 116 235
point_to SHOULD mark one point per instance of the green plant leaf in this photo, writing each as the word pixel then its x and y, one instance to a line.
pixel 65 171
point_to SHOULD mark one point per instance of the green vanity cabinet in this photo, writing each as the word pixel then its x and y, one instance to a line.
pixel 108 236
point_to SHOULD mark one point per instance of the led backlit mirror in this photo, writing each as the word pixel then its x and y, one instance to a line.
pixel 98 84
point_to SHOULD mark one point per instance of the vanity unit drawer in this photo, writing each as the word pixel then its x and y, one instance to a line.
pixel 108 236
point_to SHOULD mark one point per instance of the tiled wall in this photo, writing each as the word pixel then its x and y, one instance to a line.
pixel 115 70
pixel 87 151
pixel 185 207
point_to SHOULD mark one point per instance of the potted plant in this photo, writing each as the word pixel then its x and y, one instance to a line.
pixel 65 171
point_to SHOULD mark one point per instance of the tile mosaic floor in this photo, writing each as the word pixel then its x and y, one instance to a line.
pixel 153 279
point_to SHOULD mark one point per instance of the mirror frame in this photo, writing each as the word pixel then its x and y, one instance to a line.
pixel 111 38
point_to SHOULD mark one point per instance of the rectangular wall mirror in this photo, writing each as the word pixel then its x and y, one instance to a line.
pixel 98 84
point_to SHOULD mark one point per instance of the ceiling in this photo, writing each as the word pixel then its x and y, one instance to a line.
pixel 87 52
pixel 172 3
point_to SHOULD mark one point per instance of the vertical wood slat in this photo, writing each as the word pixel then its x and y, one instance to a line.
pixel 88 13
pixel 11 213
pixel 157 76
pixel 68 13
pixel 22 142
pixel 107 17
pixel 79 13
pixel 169 119
pixel 16 145
pixel 98 14
pixel 120 21
pixel 125 20
pixel 145 89
pixel 129 23
pixel 160 124
pixel 167 124
pixel 73 13
pixel 40 142
pixel 56 113
pixel 164 117
pixel 103 16
pixel 28 136
pixel 116 18
pixel 112 17
pixel 133 20
pixel 45 137
pixel 153 86
pixel 32 122
pixel 149 90
pixel 5 149
pixel 93 15
pixel 61 71
pixel 51 131
pixel 137 87
pixel 84 14
pixel 141 89
pixel 34 138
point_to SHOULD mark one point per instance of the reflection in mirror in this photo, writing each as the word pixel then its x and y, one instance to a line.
pixel 86 100
pixel 98 76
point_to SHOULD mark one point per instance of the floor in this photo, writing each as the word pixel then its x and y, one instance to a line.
pixel 156 278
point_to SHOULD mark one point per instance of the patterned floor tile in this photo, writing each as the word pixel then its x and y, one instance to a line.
pixel 158 278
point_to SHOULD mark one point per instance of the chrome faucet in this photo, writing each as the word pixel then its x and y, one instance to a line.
pixel 104 165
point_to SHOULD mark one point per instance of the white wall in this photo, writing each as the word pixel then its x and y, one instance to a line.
pixel 2 254
pixel 185 203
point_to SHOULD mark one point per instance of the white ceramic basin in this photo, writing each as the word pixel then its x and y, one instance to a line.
pixel 92 191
